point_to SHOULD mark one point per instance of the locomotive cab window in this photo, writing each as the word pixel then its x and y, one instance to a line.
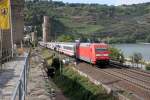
pixel 101 49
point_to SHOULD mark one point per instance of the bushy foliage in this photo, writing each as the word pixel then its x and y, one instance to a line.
pixel 137 57
pixel 116 54
pixel 148 39
pixel 78 87
pixel 56 63
pixel 66 38
pixel 147 66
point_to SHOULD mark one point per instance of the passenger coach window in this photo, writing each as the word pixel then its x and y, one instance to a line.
pixel 68 48
pixel 101 49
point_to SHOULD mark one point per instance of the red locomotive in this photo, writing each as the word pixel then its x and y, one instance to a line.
pixel 93 52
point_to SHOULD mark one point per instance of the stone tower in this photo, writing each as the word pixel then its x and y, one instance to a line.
pixel 46 29
pixel 18 20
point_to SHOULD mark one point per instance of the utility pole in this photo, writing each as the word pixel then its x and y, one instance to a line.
pixel 59 59
pixel 11 26
pixel 1 48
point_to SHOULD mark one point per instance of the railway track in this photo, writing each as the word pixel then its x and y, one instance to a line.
pixel 118 81
pixel 136 77
pixel 142 77
pixel 118 65
pixel 131 79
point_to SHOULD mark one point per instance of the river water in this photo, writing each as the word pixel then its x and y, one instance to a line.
pixel 130 49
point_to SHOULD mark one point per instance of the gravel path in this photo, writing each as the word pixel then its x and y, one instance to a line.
pixel 39 84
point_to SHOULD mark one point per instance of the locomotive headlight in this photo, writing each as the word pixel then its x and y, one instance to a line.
pixel 101 55
pixel 105 54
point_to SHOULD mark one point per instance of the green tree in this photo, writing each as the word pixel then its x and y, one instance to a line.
pixel 66 38
pixel 116 54
pixel 122 58
pixel 137 57
pixel 148 39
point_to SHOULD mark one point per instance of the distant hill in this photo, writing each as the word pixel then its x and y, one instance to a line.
pixel 126 23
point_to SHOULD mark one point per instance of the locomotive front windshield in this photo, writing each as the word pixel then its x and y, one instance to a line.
pixel 101 49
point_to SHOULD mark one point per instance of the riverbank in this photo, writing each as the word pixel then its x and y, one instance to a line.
pixel 144 65
pixel 144 43
pixel 129 49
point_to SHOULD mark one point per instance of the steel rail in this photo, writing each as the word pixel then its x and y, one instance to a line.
pixel 120 65
pixel 127 70
pixel 140 77
pixel 110 72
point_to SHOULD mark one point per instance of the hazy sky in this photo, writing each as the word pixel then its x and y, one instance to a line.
pixel 109 2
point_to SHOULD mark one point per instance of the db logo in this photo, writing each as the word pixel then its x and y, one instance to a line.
pixel 3 11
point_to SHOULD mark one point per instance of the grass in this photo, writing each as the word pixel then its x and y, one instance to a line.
pixel 76 86
pixel 80 27
pixel 89 28
pixel 47 55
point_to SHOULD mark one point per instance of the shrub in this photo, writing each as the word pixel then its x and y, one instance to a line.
pixel 116 54
pixel 77 87
pixel 136 58
pixel 147 67
pixel 56 63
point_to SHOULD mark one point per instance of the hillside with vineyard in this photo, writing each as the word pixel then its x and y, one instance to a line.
pixel 118 24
